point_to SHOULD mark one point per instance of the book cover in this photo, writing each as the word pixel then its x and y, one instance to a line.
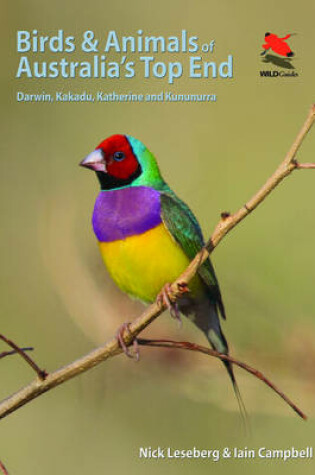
pixel 218 92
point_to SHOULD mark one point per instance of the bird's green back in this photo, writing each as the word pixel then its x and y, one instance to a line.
pixel 185 229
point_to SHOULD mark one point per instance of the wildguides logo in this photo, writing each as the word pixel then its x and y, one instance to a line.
pixel 277 52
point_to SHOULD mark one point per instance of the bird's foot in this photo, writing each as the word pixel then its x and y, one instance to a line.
pixel 135 355
pixel 183 287
pixel 166 297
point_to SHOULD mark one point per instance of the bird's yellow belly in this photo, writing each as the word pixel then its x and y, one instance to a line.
pixel 140 265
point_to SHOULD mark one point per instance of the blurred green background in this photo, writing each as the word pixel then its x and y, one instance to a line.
pixel 56 295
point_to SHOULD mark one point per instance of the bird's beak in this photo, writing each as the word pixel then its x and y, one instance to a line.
pixel 95 161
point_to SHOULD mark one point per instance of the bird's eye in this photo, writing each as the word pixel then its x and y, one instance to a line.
pixel 119 156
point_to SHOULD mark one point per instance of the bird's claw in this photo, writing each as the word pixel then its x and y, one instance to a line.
pixel 183 287
pixel 166 297
pixel 135 355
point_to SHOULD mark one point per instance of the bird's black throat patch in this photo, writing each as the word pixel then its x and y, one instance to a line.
pixel 109 182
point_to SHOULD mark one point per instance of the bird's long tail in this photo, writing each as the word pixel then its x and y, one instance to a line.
pixel 237 393
pixel 207 319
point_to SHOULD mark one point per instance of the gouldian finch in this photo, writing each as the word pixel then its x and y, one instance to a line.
pixel 147 236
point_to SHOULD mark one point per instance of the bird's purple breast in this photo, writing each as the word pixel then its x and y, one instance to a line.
pixel 125 212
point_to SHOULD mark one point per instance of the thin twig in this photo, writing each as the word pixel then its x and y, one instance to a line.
pixel 111 348
pixel 40 373
pixel 14 352
pixel 186 345
pixel 305 166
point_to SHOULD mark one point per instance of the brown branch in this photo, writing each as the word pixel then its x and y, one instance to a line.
pixel 229 221
pixel 111 348
pixel 3 469
pixel 186 345
pixel 305 166
pixel 14 352
pixel 40 373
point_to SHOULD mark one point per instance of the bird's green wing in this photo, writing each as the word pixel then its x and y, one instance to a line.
pixel 184 227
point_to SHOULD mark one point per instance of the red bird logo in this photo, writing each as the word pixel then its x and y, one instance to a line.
pixel 277 45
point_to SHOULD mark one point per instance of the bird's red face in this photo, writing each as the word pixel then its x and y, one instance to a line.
pixel 114 162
